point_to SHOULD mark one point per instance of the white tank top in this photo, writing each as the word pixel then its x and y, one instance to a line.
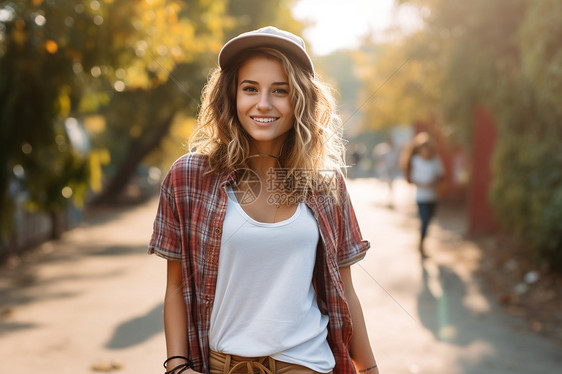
pixel 425 172
pixel 265 304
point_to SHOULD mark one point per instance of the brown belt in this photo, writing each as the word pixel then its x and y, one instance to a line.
pixel 230 364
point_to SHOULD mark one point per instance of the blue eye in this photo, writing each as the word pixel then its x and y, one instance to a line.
pixel 249 89
pixel 281 91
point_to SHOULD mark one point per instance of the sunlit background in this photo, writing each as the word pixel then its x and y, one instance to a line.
pixel 333 26
pixel 98 98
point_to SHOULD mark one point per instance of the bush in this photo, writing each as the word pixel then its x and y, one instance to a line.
pixel 527 187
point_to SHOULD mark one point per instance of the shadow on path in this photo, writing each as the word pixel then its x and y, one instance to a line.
pixel 6 327
pixel 138 330
pixel 440 304
pixel 24 284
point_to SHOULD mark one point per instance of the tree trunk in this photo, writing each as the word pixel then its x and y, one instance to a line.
pixel 138 150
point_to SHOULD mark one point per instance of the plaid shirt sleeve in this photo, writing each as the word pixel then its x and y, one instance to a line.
pixel 166 234
pixel 352 248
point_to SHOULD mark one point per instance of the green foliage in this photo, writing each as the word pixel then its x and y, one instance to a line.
pixel 37 89
pixel 527 190
pixel 527 193
pixel 61 58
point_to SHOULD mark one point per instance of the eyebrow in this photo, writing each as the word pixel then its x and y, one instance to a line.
pixel 256 83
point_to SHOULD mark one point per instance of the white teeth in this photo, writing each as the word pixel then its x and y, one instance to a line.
pixel 264 120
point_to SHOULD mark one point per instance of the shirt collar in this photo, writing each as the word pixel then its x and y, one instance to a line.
pixel 227 178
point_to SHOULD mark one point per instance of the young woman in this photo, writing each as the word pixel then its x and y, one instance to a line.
pixel 424 169
pixel 257 225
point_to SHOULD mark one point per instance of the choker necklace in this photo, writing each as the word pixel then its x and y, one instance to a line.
pixel 265 155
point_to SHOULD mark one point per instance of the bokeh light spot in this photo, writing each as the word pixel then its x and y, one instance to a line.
pixel 26 148
pixel 120 73
pixel 18 171
pixel 95 5
pixel 119 86
pixel 66 192
pixel 40 20
pixel 51 46
pixel 95 71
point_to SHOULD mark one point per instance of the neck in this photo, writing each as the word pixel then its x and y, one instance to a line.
pixel 264 156
pixel 267 147
pixel 262 163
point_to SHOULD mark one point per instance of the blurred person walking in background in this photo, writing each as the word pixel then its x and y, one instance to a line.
pixel 356 151
pixel 386 157
pixel 259 241
pixel 423 167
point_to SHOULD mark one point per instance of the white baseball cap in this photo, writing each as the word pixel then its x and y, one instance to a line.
pixel 271 37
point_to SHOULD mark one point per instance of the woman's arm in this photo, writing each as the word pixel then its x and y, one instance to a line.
pixel 175 321
pixel 361 351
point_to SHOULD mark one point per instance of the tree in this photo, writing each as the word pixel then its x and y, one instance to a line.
pixel 527 191
pixel 175 51
pixel 61 59
pixel 42 45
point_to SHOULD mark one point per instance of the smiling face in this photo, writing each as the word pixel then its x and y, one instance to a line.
pixel 263 103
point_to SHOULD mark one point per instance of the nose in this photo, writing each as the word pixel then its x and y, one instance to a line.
pixel 264 103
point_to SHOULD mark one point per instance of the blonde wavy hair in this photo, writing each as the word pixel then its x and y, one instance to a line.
pixel 314 143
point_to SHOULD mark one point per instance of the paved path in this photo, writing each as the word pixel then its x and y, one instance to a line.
pixel 92 301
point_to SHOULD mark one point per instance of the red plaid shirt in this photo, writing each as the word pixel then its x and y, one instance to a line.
pixel 188 228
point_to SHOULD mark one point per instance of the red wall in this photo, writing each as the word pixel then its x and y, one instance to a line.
pixel 481 215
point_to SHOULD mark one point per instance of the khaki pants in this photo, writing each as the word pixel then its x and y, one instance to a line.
pixel 221 363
